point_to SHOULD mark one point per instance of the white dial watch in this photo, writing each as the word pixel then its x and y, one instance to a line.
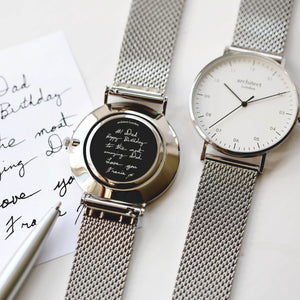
pixel 243 104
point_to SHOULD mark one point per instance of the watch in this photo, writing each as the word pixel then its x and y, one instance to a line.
pixel 243 104
pixel 124 154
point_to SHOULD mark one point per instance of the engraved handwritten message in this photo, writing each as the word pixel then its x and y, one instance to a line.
pixel 128 149
pixel 42 98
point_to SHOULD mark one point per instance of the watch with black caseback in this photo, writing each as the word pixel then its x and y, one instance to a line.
pixel 125 154
pixel 243 104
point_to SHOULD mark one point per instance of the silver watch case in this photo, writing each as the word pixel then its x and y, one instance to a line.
pixel 143 189
pixel 205 137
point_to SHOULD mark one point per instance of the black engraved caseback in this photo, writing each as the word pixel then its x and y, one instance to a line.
pixel 125 155
pixel 122 149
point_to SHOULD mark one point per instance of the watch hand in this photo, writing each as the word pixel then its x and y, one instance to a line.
pixel 232 111
pixel 233 92
pixel 269 96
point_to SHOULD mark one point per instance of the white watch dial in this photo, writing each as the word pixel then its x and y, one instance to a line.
pixel 244 104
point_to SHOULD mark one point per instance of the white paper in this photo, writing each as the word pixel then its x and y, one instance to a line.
pixel 42 99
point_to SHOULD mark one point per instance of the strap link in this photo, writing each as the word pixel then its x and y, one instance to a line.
pixel 215 232
pixel 262 25
pixel 148 44
pixel 101 259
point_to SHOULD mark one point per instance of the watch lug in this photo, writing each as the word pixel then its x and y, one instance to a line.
pixel 138 94
pixel 262 163
pixel 203 153
pixel 283 61
pixel 215 154
pixel 226 50
pixel 232 49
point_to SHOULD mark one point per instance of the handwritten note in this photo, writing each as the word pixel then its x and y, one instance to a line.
pixel 42 99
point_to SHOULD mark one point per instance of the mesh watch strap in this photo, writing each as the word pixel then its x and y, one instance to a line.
pixel 262 25
pixel 148 44
pixel 101 259
pixel 104 246
pixel 215 232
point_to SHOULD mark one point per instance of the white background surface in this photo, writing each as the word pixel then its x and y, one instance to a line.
pixel 269 264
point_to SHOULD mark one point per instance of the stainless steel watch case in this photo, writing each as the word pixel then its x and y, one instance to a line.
pixel 142 190
pixel 207 140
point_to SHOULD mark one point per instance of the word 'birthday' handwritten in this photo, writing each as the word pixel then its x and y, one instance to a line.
pixel 29 100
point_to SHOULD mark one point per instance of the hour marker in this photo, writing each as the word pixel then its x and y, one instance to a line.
pixel 210 75
pixel 278 133
pixel 201 116
pixel 288 114
pixel 274 73
pixel 258 146
pixel 234 145
pixel 213 135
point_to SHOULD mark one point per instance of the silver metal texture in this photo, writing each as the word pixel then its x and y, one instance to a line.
pixel 101 259
pixel 225 191
pixel 109 223
pixel 262 25
pixel 215 232
pixel 142 190
pixel 148 44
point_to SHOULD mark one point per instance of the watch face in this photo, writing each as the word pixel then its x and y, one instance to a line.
pixel 121 149
pixel 244 104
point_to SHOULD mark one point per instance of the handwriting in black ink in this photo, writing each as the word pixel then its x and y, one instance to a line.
pixel 33 223
pixel 60 214
pixel 79 209
pixel 9 143
pixel 11 226
pixel 20 165
pixel 62 185
pixel 6 108
pixel 55 144
pixel 62 123
pixel 12 200
pixel 4 86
